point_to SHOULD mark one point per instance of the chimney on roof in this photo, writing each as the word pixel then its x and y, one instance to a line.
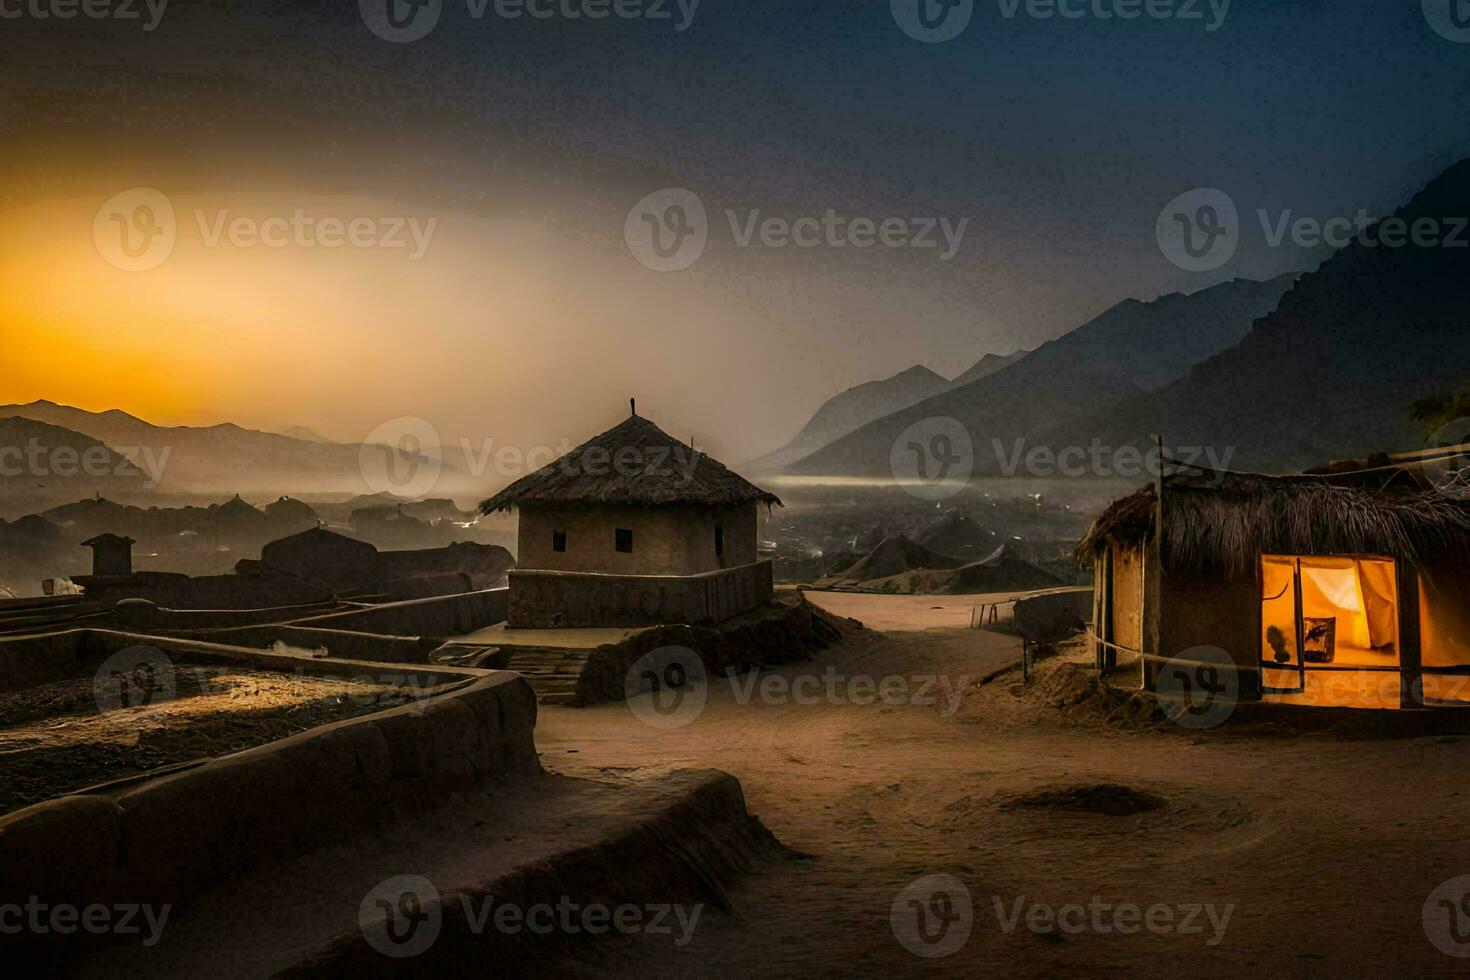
pixel 632 406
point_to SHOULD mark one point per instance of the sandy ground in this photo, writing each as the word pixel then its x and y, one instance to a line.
pixel 60 737
pixel 1257 856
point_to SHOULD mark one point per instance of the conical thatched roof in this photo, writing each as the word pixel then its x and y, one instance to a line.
pixel 635 462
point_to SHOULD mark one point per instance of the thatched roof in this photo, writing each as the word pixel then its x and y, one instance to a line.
pixel 1226 521
pixel 635 462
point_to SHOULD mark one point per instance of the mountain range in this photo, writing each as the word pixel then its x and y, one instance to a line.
pixel 1129 349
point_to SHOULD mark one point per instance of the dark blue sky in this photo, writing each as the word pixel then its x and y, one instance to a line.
pixel 1059 140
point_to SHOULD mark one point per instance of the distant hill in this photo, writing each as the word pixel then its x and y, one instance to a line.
pixel 1129 349
pixel 852 409
pixel 1332 372
pixel 223 458
pixel 986 366
pixel 43 464
pixel 893 556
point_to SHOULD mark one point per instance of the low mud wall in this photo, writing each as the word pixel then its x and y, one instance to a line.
pixel 541 599
pixel 167 838
pixel 441 616
pixel 337 643
pixel 143 614
pixel 786 629
pixel 692 847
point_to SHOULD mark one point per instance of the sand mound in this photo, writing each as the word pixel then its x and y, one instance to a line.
pixel 1111 799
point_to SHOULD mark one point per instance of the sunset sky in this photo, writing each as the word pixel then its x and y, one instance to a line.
pixel 526 142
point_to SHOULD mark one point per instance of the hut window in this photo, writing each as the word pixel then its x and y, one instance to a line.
pixel 558 541
pixel 623 539
pixel 719 539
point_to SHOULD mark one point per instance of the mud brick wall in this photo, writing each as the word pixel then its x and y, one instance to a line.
pixel 441 616
pixel 171 837
pixel 544 599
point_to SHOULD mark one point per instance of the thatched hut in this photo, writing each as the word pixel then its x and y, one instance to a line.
pixel 631 528
pixel 1345 586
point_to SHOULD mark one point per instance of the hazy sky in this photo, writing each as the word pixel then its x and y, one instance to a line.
pixel 527 141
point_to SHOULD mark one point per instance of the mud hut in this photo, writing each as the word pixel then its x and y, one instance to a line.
pixel 1347 586
pixel 633 528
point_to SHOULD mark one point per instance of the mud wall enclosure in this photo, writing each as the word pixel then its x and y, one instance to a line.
pixel 170 836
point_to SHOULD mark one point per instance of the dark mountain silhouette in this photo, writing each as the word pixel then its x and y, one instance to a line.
pixel 986 366
pixel 224 458
pixel 893 556
pixel 43 464
pixel 852 409
pixel 1333 371
pixel 1131 348
pixel 959 535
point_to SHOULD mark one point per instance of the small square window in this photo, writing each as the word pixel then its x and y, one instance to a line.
pixel 719 539
pixel 558 541
pixel 623 539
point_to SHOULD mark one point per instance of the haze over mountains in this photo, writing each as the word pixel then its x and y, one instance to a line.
pixel 1129 349
pixel 1332 372
pixel 147 458
pixel 1276 375
pixel 861 404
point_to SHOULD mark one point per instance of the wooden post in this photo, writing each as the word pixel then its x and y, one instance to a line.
pixel 1153 578
pixel 1411 663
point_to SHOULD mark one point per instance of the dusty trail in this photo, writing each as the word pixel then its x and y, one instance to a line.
pixel 1323 852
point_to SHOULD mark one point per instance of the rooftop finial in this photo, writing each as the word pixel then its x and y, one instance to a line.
pixel 632 406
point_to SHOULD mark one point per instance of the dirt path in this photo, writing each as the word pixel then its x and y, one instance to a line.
pixel 1314 857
